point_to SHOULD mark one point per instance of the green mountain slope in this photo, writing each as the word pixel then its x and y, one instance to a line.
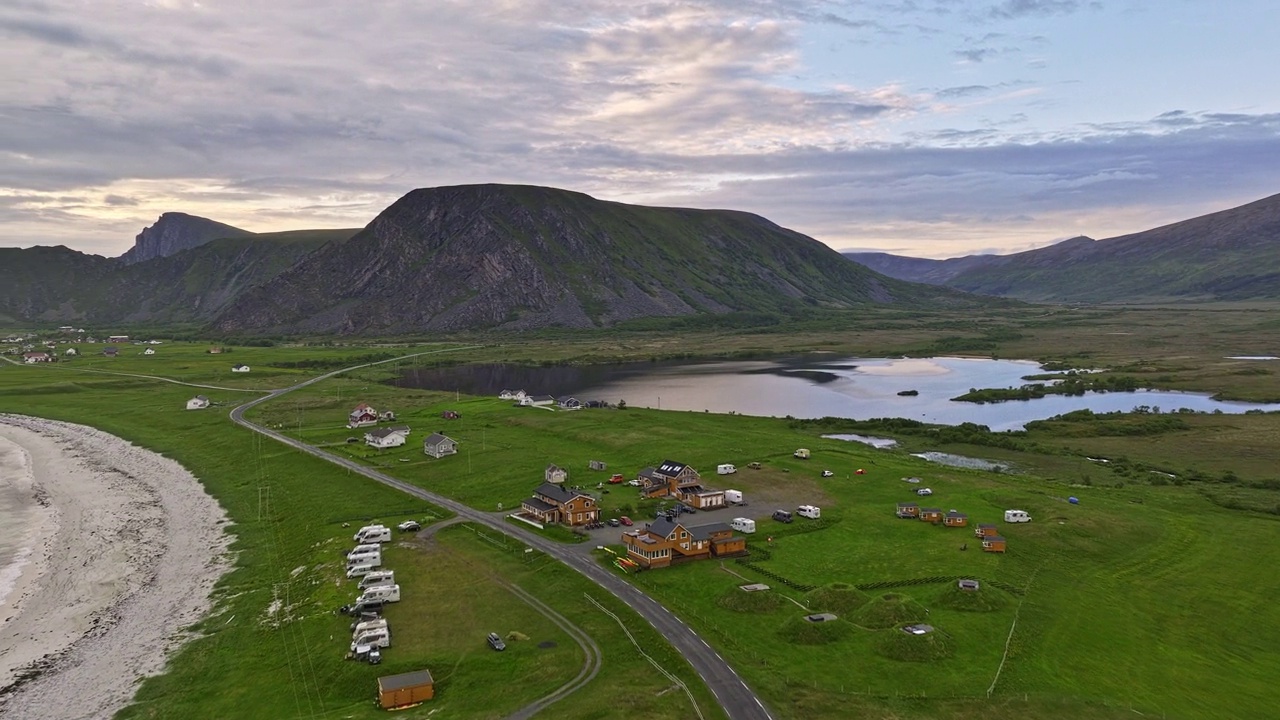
pixel 520 257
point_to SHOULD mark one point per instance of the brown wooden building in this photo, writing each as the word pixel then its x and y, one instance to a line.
pixel 931 515
pixel 908 510
pixel 677 480
pixel 986 530
pixel 955 519
pixel 556 504
pixel 665 541
pixel 993 543
pixel 405 690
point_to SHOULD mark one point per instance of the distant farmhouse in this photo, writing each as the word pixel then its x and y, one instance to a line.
pixel 388 437
pixel 437 445
pixel 555 504
pixel 198 402
pixel 667 541
pixel 362 416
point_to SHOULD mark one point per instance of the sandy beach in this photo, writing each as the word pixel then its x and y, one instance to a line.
pixel 122 549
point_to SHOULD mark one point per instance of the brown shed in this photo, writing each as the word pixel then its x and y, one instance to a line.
pixel 955 519
pixel 993 543
pixel 931 515
pixel 908 510
pixel 985 530
pixel 405 689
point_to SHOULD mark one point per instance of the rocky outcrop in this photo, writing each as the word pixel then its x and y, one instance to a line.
pixel 175 232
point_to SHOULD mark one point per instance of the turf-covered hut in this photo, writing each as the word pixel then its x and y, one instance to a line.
pixel 931 515
pixel 405 689
pixel 955 519
pixel 986 530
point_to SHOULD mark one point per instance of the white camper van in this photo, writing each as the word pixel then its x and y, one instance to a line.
pixel 373 638
pixel 377 577
pixel 1016 516
pixel 363 568
pixel 743 525
pixel 385 593
pixel 733 497
pixel 726 469
pixel 813 512
pixel 368 626
pixel 368 532
pixel 364 548
pixel 373 558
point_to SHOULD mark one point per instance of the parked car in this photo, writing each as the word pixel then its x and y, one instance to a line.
pixel 616 479
pixel 687 509
pixel 409 526
pixel 782 516
pixel 614 522
pixel 827 473
pixel 924 491
pixel 496 643
pixel 625 521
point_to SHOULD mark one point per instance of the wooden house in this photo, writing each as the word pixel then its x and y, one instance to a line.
pixel 405 690
pixel 451 415
pixel 32 358
pixel 568 402
pixel 931 515
pixel 681 482
pixel 986 530
pixel 387 437
pixel 555 474
pixel 556 504
pixel 955 519
pixel 362 416
pixel 110 351
pixel 908 510
pixel 993 543
pixel 666 541
pixel 437 445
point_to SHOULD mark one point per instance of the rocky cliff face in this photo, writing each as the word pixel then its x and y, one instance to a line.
pixel 174 232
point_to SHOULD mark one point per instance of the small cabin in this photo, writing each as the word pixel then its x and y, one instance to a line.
pixel 985 530
pixel 405 690
pixel 993 543
pixel 931 515
pixel 908 510
pixel 955 519
pixel 555 474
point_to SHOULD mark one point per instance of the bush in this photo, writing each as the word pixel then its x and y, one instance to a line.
pixel 889 610
pixel 985 599
pixel 762 601
pixel 799 631
pixel 898 645
pixel 841 599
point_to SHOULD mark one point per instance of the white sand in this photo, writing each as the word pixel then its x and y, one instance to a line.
pixel 129 548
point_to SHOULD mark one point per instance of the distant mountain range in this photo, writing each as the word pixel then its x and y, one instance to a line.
pixel 1229 255
pixel 449 259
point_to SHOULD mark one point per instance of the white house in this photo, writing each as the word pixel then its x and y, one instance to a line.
pixel 71 351
pixel 198 402
pixel 555 474
pixel 437 445
pixel 149 351
pixel 363 415
pixel 568 402
pixel 32 358
pixel 238 368
pixel 511 395
pixel 387 437
pixel 537 400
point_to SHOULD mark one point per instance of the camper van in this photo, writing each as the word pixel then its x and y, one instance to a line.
pixel 385 593
pixel 377 577
pixel 733 497
pixel 726 469
pixel 813 512
pixel 1016 516
pixel 743 525
pixel 373 558
pixel 364 568
pixel 802 453
pixel 373 638
pixel 360 628
pixel 364 534
pixel 363 549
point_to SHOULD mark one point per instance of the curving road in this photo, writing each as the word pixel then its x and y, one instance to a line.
pixel 737 700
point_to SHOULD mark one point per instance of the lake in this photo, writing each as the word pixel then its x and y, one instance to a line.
pixel 857 388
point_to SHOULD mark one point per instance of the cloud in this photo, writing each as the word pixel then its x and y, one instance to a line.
pixel 1014 9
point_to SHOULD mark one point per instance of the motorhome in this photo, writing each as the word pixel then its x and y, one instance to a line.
pixel 726 469
pixel 363 550
pixel 733 497
pixel 368 625
pixel 385 593
pixel 813 512
pixel 363 569
pixel 377 577
pixel 373 638
pixel 743 525
pixel 1016 516
pixel 381 535
pixel 801 454
pixel 373 558
pixel 369 530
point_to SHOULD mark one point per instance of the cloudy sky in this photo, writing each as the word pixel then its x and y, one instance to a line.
pixel 926 127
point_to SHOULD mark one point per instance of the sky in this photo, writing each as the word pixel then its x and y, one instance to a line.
pixel 932 128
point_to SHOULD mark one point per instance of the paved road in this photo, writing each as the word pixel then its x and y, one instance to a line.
pixel 738 701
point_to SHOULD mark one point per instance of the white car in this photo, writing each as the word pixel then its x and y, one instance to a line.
pixel 827 473
pixel 924 491
pixel 409 526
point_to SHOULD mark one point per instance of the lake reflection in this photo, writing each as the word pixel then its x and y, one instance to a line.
pixel 857 388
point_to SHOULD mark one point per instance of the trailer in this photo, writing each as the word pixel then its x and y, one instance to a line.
pixel 733 497
pixel 743 525
pixel 405 690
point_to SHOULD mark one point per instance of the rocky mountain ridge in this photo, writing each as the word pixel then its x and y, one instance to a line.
pixel 174 232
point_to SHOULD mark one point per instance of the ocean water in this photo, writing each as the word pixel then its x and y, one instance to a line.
pixel 17 512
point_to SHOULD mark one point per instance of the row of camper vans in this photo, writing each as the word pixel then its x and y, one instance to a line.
pixel 367 556
pixel 370 632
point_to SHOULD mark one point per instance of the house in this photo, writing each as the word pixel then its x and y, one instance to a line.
pixel 512 395
pixel 388 416
pixel 555 474
pixel 908 510
pixel 986 530
pixel 931 515
pixel 71 352
pixel 405 690
pixel 667 541
pixel 594 404
pixel 597 465
pixel 388 437
pixel 955 519
pixel 537 400
pixel 362 416
pixel 215 351
pixel 198 402
pixel 677 480
pixel 149 351
pixel 117 338
pixel 567 402
pixel 993 543
pixel 110 351
pixel 32 358
pixel 437 445
pixel 240 368
pixel 555 504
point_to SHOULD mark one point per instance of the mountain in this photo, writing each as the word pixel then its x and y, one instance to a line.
pixel 522 257
pixel 175 232
pixel 924 270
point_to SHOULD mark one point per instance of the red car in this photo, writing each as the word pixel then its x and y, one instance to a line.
pixel 616 479
pixel 625 520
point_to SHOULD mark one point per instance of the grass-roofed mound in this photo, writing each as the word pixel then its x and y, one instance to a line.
pixel 887 611
pixel 800 631
pixel 839 598
pixel 983 599
pixel 898 644
pixel 759 601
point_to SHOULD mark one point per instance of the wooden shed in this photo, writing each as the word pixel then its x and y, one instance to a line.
pixel 405 689
pixel 993 543
pixel 908 510
pixel 955 519
pixel 931 515
pixel 985 530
